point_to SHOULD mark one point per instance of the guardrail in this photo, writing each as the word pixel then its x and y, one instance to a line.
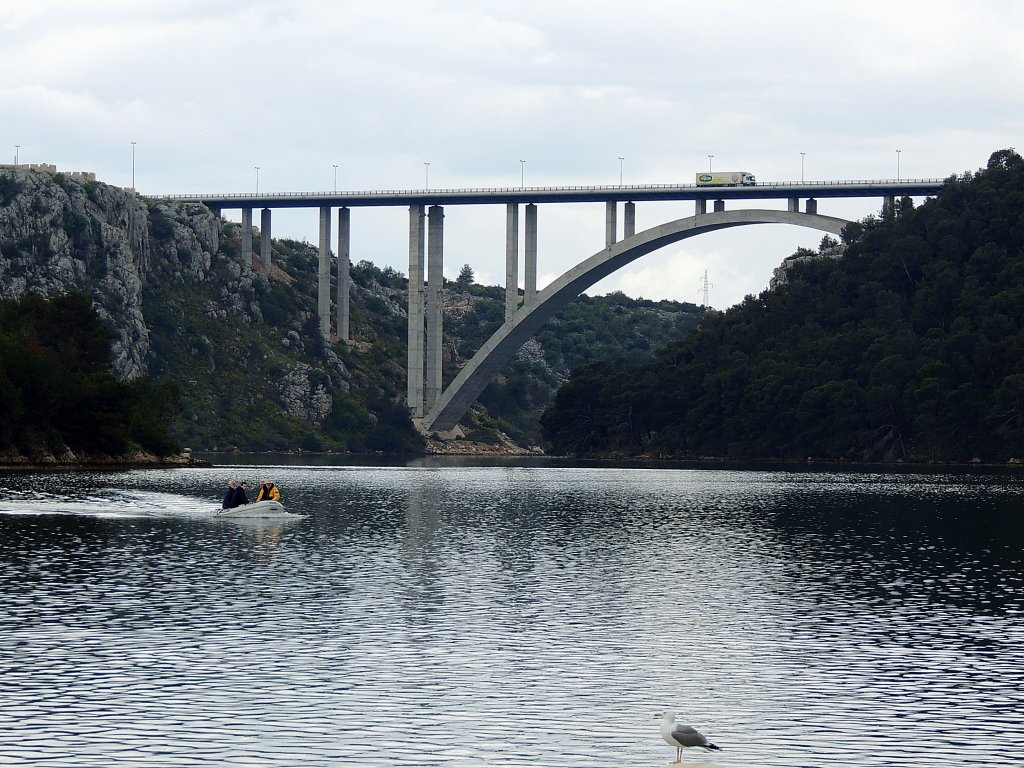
pixel 498 191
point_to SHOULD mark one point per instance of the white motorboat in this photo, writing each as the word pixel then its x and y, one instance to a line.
pixel 257 509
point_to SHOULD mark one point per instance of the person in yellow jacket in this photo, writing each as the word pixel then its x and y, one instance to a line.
pixel 268 492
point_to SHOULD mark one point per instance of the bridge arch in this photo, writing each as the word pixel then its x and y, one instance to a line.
pixel 507 340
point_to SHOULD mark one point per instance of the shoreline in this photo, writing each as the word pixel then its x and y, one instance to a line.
pixel 71 462
pixel 471 450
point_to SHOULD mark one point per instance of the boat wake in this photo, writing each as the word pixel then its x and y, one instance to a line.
pixel 113 504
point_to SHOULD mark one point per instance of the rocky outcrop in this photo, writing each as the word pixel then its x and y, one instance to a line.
pixel 802 256
pixel 61 233
pixel 304 399
pixel 76 460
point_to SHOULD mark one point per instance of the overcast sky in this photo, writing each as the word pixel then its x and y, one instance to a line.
pixel 208 90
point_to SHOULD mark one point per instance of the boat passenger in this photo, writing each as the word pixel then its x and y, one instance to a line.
pixel 230 496
pixel 268 492
pixel 242 494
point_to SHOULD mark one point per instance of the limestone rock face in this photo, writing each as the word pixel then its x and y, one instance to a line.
pixel 304 399
pixel 57 235
pixel 61 233
pixel 166 278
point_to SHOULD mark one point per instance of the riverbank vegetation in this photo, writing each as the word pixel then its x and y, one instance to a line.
pixel 909 347
pixel 57 394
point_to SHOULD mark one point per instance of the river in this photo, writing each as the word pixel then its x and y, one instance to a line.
pixel 534 615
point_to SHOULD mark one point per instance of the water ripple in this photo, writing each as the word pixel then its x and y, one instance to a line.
pixel 511 616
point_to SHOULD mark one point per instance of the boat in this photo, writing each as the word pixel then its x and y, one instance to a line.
pixel 257 509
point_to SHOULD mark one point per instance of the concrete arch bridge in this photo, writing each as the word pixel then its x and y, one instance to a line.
pixel 527 320
pixel 437 408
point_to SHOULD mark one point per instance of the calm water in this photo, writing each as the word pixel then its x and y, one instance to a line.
pixel 512 616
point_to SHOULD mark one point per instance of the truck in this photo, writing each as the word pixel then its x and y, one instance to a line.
pixel 726 179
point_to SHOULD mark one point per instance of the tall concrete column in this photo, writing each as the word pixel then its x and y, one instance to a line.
pixel 700 207
pixel 530 275
pixel 812 205
pixel 794 205
pixel 247 236
pixel 417 239
pixel 265 237
pixel 629 221
pixel 323 304
pixel 344 276
pixel 511 260
pixel 719 206
pixel 435 278
pixel 889 205
pixel 611 223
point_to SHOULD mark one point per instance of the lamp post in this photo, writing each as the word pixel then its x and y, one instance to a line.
pixel 620 170
pixel 16 148
pixel 802 167
pixel 335 178
pixel 709 163
pixel 522 174
pixel 897 165
pixel 133 166
pixel 426 177
pixel 257 178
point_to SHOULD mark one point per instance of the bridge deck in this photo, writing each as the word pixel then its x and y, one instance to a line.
pixel 580 194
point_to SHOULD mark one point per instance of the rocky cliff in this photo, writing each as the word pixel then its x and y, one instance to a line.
pixel 242 342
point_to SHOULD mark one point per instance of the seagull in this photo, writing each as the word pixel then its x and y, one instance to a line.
pixel 680 736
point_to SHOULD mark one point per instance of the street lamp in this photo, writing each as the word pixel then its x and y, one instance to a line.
pixel 257 178
pixel 709 163
pixel 522 174
pixel 426 180
pixel 335 178
pixel 897 165
pixel 620 170
pixel 16 148
pixel 133 166
pixel 802 167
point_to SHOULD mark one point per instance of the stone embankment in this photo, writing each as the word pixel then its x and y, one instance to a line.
pixel 463 447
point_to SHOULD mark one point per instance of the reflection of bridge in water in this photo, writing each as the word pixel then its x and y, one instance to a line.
pixel 440 409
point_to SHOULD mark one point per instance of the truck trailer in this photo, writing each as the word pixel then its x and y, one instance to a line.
pixel 726 179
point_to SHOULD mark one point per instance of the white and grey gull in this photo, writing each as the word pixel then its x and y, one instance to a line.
pixel 680 736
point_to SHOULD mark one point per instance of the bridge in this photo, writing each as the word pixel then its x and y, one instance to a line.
pixel 439 409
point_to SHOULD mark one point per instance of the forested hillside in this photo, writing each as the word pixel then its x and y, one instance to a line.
pixel 911 347
pixel 58 397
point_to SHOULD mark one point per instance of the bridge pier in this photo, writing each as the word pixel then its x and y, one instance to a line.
pixel 417 234
pixel 324 273
pixel 629 221
pixel 719 206
pixel 265 237
pixel 794 205
pixel 435 279
pixel 812 205
pixel 511 260
pixel 530 283
pixel 247 236
pixel 700 206
pixel 611 224
pixel 344 276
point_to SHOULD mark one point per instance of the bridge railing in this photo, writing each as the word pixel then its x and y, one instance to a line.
pixel 440 192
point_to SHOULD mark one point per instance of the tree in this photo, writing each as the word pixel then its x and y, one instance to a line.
pixel 907 347
pixel 466 275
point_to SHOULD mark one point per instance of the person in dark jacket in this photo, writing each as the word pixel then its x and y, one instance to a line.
pixel 235 495
pixel 229 496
